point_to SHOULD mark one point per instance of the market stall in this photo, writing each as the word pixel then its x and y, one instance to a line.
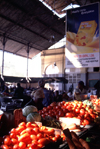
pixel 45 127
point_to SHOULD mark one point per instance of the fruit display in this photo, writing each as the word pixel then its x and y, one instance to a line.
pixel 29 136
pixel 75 109
pixel 95 101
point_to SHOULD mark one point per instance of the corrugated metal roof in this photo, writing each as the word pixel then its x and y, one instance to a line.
pixel 59 5
pixel 28 22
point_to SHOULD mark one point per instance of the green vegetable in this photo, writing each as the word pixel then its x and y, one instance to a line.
pixel 33 117
pixel 29 109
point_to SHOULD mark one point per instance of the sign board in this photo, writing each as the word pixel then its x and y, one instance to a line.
pixel 82 37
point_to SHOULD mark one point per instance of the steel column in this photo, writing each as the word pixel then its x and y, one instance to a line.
pixel 27 61
pixel 4 42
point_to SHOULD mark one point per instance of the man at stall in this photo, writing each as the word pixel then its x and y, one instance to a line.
pixel 48 94
pixel 19 92
pixel 79 91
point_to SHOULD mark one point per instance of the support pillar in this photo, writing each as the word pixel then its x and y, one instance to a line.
pixel 4 42
pixel 27 63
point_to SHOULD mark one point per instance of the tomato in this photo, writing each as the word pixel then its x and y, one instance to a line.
pixel 34 146
pixel 61 114
pixel 30 130
pixel 14 141
pixel 82 111
pixel 58 136
pixel 42 141
pixel 12 135
pixel 24 137
pixel 49 107
pixel 93 116
pixel 45 109
pixel 39 136
pixel 77 110
pixel 19 129
pixel 22 124
pixel 43 115
pixel 54 139
pixel 57 117
pixel 33 137
pixel 90 111
pixel 22 145
pixel 69 115
pixel 16 146
pixel 13 130
pixel 36 130
pixel 7 141
pixel 4 147
pixel 65 110
pixel 40 112
pixel 86 122
pixel 53 104
pixel 28 124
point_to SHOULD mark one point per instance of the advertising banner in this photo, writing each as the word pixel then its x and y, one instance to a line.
pixel 82 37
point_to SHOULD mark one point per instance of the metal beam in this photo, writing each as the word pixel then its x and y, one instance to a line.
pixel 21 42
pixel 78 2
pixel 22 26
pixel 36 17
pixel 18 50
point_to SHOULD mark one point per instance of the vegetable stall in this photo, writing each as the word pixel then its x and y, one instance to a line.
pixel 35 129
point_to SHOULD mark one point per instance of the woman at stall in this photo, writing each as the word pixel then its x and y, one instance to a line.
pixel 37 99
pixel 79 91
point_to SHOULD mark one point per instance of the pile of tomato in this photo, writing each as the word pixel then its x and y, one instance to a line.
pixel 96 101
pixel 74 109
pixel 29 136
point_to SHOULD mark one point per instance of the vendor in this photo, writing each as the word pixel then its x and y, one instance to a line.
pixel 79 91
pixel 37 98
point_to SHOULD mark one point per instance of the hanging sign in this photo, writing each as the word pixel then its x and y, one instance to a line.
pixel 82 37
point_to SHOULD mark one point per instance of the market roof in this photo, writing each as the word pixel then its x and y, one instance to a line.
pixel 59 5
pixel 26 22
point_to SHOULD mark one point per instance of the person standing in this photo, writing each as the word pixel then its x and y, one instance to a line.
pixel 79 91
pixel 19 92
pixel 48 94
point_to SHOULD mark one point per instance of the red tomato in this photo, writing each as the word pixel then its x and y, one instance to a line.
pixel 22 124
pixel 34 146
pixel 90 111
pixel 45 109
pixel 22 145
pixel 16 146
pixel 61 114
pixel 43 115
pixel 14 141
pixel 12 135
pixel 42 141
pixel 57 117
pixel 39 136
pixel 4 147
pixel 19 129
pixel 13 130
pixel 69 115
pixel 28 124
pixel 33 137
pixel 86 122
pixel 58 136
pixel 30 130
pixel 82 111
pixel 36 130
pixel 49 107
pixel 65 111
pixel 7 141
pixel 77 110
